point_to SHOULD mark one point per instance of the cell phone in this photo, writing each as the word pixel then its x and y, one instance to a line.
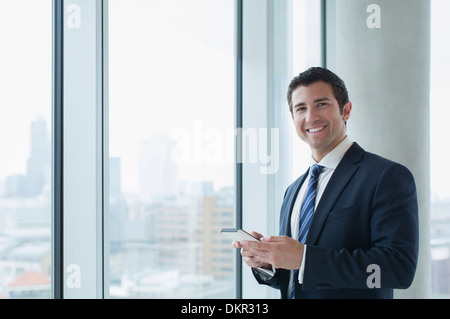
pixel 238 234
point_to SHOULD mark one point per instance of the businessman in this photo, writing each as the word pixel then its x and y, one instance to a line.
pixel 349 225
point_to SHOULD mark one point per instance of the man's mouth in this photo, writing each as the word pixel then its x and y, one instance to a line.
pixel 316 129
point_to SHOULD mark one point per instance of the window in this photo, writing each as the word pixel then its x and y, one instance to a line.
pixel 440 154
pixel 171 123
pixel 25 144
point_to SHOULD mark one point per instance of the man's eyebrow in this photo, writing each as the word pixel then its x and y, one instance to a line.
pixel 299 104
pixel 315 101
pixel 322 99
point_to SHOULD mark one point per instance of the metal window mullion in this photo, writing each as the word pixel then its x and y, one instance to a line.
pixel 323 33
pixel 57 150
pixel 105 148
pixel 83 149
pixel 239 125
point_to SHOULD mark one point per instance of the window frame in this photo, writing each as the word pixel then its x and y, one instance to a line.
pixel 78 128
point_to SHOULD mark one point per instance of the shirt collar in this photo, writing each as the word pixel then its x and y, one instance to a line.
pixel 332 159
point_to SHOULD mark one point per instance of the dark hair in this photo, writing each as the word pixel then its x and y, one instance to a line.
pixel 317 74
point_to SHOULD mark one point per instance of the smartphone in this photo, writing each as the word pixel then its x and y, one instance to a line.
pixel 238 234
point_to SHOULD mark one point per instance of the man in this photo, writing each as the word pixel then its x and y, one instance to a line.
pixel 348 226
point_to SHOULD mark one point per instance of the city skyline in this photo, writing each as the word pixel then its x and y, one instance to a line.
pixel 167 228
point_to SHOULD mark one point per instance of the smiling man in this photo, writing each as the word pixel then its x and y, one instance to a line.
pixel 349 225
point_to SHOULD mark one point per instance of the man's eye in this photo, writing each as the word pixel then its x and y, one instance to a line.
pixel 301 109
pixel 322 104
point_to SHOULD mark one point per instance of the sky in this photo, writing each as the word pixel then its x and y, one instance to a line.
pixel 440 104
pixel 164 82
pixel 25 78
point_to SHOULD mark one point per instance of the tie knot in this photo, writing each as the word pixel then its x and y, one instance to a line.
pixel 315 171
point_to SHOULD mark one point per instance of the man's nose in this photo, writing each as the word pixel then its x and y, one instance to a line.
pixel 311 115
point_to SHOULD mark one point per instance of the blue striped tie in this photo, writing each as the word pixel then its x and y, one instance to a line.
pixel 306 213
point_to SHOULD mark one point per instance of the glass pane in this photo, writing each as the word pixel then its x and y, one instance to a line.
pixel 306 39
pixel 440 152
pixel 25 144
pixel 171 148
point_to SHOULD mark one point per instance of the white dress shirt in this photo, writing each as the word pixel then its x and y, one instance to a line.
pixel 329 163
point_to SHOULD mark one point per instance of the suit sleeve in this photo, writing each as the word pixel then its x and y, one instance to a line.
pixel 265 279
pixel 393 236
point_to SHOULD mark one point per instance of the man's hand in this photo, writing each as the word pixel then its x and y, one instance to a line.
pixel 248 257
pixel 277 251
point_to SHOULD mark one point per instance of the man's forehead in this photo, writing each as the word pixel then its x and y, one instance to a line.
pixel 316 90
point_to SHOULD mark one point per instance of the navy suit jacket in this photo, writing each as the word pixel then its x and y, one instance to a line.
pixel 367 215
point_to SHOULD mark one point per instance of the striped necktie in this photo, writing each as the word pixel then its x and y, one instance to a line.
pixel 307 212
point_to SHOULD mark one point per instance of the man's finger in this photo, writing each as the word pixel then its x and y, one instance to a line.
pixel 274 239
pixel 255 234
pixel 254 245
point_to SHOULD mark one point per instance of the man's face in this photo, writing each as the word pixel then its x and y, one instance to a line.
pixel 318 119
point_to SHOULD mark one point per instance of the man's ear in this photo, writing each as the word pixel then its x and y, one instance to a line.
pixel 346 111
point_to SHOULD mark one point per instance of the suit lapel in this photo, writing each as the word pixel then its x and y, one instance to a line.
pixel 285 224
pixel 343 173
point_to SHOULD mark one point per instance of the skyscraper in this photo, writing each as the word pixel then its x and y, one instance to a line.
pixel 158 174
pixel 38 172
